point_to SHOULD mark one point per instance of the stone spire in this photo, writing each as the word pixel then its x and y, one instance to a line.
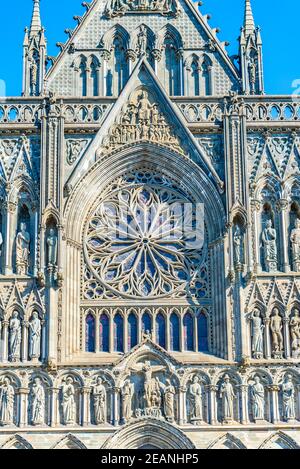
pixel 36 24
pixel 34 55
pixel 251 54
pixel 249 26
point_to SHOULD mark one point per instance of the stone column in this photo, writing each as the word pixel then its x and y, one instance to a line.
pixel 282 206
pixel 23 406
pixel 213 415
pixel 24 346
pixel 86 400
pixel 9 236
pixel 255 206
pixel 182 405
pixel 156 54
pixel 268 352
pixel 43 341
pixel 286 337
pixel 5 325
pixel 243 392
pixel 116 407
pixel 54 397
pixel 35 241
pixel 131 58
pixel 274 391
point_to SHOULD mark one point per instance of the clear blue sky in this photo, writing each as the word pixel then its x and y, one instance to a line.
pixel 279 21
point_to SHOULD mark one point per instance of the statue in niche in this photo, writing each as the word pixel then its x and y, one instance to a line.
pixel 52 248
pixel 276 330
pixel 7 399
pixel 269 238
pixel 295 242
pixel 144 108
pixel 227 395
pixel 126 397
pixel 169 395
pixel 295 333
pixel 37 403
pixel 142 41
pixel 288 399
pixel 22 250
pixel 252 73
pixel 238 246
pixel 257 329
pixel 195 399
pixel 99 396
pixel 35 330
pixel 257 393
pixel 15 337
pixel 68 402
pixel 33 76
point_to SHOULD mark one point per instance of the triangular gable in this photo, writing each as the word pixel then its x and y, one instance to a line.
pixel 266 165
pixel 292 166
pixel 97 12
pixel 147 346
pixel 15 298
pixel 22 166
pixel 144 79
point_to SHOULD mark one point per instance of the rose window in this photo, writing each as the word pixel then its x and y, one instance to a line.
pixel 145 241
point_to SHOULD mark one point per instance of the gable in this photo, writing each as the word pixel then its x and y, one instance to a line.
pixel 169 130
pixel 94 36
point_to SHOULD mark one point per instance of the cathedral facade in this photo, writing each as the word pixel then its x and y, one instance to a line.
pixel 150 238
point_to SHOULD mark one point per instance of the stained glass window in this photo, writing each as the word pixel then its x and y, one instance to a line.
pixel 90 333
pixel 104 333
pixel 188 332
pixel 174 333
pixel 132 331
pixel 161 330
pixel 146 323
pixel 202 333
pixel 118 333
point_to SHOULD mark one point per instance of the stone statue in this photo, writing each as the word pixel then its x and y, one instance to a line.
pixel 227 395
pixel 15 337
pixel 68 402
pixel 257 335
pixel 7 399
pixel 288 399
pixel 99 395
pixel 142 41
pixel 35 329
pixel 37 403
pixel 295 333
pixel 150 384
pixel 169 395
pixel 22 250
pixel 195 399
pixel 126 396
pixel 238 246
pixel 295 244
pixel 276 330
pixel 52 247
pixel 270 247
pixel 257 393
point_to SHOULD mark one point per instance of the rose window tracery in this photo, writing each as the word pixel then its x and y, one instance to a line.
pixel 143 241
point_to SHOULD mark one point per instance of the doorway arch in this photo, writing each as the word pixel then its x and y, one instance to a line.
pixel 149 434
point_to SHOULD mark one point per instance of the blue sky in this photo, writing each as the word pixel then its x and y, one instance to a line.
pixel 278 20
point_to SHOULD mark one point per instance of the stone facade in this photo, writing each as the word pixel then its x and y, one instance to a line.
pixel 118 331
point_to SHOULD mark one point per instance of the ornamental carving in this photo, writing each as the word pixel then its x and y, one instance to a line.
pixel 120 7
pixel 141 120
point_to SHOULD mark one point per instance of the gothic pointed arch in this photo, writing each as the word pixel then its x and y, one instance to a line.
pixel 16 442
pixel 158 435
pixel 69 441
pixel 227 441
pixel 279 440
